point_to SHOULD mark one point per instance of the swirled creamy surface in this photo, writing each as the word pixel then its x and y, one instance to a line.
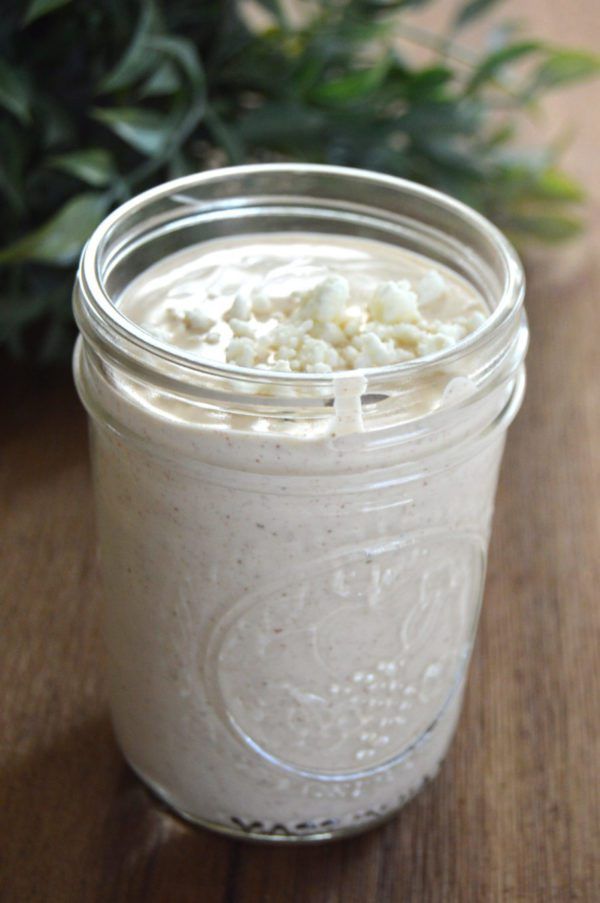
pixel 290 616
pixel 304 303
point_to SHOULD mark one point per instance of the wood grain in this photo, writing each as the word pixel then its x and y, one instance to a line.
pixel 515 812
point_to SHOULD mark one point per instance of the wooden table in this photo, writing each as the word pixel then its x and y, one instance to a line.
pixel 515 812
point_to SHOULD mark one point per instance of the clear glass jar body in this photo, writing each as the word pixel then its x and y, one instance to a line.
pixel 291 596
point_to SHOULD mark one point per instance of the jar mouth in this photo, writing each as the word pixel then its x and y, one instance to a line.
pixel 233 194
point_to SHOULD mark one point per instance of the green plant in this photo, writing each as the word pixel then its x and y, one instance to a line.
pixel 100 99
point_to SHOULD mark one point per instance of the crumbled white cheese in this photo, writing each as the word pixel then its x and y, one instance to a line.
pixel 198 321
pixel 432 343
pixel 191 319
pixel 374 352
pixel 240 309
pixel 454 331
pixel 394 302
pixel 261 304
pixel 321 327
pixel 241 351
pixel 241 327
pixel 406 334
pixel 316 352
pixel 431 287
pixel 174 316
pixel 332 333
pixel 330 300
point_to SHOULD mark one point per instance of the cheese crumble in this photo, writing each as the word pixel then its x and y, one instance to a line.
pixel 325 329
pixel 308 314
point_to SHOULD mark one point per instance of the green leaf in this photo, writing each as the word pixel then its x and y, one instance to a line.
pixel 563 66
pixel 452 157
pixel 39 8
pixel 137 60
pixel 428 83
pixel 54 123
pixel 499 136
pixel 353 86
pixel 495 62
pixel 434 118
pixel 555 185
pixel 472 10
pixel 14 92
pixel 11 168
pixel 184 54
pixel 230 140
pixel 60 240
pixel 179 165
pixel 94 166
pixel 165 80
pixel 282 124
pixel 144 130
pixel 549 228
pixel 10 190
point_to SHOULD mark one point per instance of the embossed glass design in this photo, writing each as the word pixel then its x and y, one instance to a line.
pixel 299 678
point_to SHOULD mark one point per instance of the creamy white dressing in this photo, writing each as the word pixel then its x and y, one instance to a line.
pixel 288 621
pixel 304 304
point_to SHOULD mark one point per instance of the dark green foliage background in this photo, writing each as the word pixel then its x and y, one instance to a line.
pixel 100 99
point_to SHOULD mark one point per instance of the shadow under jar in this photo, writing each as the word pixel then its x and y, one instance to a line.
pixel 293 563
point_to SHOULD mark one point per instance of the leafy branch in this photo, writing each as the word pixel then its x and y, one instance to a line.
pixel 99 100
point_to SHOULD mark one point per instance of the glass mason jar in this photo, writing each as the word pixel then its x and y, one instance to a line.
pixel 293 563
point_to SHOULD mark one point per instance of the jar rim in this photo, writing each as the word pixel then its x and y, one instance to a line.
pixel 98 313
